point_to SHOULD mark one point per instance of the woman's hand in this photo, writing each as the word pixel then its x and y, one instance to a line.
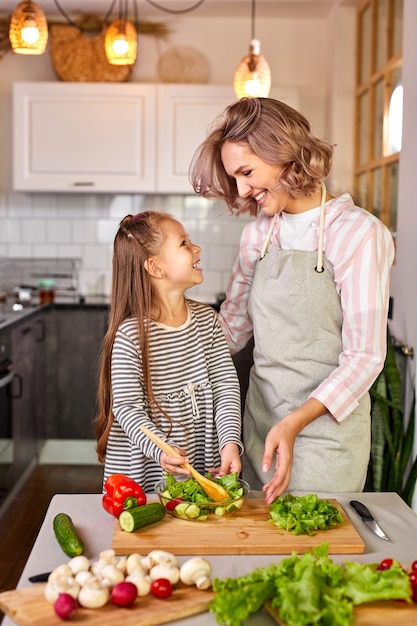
pixel 280 441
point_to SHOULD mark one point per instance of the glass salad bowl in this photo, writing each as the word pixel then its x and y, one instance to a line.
pixel 183 497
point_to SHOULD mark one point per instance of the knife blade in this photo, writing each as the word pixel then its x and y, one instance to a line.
pixel 368 519
pixel 39 578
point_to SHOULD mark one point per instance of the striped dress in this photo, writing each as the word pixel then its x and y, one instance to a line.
pixel 194 381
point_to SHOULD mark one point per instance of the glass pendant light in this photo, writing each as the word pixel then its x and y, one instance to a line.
pixel 28 32
pixel 252 77
pixel 121 41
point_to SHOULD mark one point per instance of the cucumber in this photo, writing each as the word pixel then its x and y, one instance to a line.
pixel 140 516
pixel 66 535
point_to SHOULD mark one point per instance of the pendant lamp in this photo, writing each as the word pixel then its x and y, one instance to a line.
pixel 252 77
pixel 121 40
pixel 28 32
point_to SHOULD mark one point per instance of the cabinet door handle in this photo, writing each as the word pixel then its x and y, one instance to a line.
pixel 16 395
pixel 41 335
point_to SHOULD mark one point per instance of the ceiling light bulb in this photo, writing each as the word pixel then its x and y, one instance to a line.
pixel 120 46
pixel 253 86
pixel 252 77
pixel 30 33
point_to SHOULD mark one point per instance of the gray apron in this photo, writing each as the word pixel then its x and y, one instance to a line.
pixel 297 321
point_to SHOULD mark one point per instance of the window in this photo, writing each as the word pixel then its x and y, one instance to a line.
pixel 378 107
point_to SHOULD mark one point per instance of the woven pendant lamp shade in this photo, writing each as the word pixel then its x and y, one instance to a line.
pixel 34 36
pixel 121 31
pixel 252 78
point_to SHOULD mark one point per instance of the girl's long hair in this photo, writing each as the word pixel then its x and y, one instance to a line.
pixel 132 296
pixel 277 134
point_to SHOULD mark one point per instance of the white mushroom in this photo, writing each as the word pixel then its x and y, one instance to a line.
pixel 61 570
pixel 61 584
pixel 122 564
pixel 134 562
pixel 107 557
pixel 79 564
pixel 196 571
pixel 111 575
pixel 165 570
pixel 142 582
pixel 83 577
pixel 156 556
pixel 93 595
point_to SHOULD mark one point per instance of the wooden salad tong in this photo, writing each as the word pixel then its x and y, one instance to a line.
pixel 212 489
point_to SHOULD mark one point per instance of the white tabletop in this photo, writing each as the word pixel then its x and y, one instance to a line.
pixel 95 527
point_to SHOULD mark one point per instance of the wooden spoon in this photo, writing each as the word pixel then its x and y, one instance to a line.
pixel 212 489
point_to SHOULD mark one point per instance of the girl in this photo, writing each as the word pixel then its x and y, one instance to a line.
pixel 165 362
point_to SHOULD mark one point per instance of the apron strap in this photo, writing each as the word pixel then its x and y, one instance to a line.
pixel 319 267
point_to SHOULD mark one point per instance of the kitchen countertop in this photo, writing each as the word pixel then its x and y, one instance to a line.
pixel 9 317
pixel 390 511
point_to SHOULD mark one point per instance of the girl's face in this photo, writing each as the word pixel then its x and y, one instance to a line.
pixel 254 177
pixel 179 259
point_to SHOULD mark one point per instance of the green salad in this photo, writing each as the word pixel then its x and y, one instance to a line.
pixel 308 589
pixel 304 514
pixel 187 499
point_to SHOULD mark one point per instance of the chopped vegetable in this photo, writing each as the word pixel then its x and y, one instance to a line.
pixel 304 514
pixel 308 589
pixel 122 493
pixel 136 518
pixel 189 500
pixel 190 490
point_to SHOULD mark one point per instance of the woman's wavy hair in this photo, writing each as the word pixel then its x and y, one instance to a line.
pixel 132 296
pixel 277 134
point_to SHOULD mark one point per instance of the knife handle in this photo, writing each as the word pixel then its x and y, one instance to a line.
pixel 361 509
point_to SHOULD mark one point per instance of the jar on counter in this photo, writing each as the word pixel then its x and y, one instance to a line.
pixel 46 290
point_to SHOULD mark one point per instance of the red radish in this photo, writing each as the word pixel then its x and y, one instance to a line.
pixel 65 605
pixel 124 594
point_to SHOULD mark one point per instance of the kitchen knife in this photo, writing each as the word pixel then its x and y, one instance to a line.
pixel 39 578
pixel 368 519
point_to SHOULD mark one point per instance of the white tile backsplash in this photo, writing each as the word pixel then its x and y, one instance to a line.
pixel 84 225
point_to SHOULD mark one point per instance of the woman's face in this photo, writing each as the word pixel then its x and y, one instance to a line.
pixel 254 177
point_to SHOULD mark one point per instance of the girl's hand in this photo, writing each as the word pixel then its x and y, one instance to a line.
pixel 230 460
pixel 172 464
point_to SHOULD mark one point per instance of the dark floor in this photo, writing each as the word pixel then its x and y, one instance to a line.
pixel 22 520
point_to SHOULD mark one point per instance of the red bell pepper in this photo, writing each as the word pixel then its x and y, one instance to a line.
pixel 122 493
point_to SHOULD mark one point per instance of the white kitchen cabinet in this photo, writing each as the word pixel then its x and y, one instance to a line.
pixel 184 115
pixel 112 137
pixel 84 137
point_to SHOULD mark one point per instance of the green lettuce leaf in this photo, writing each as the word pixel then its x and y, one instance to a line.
pixel 308 589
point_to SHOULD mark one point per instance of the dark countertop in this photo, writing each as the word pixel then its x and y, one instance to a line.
pixel 10 317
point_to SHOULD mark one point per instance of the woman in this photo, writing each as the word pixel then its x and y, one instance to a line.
pixel 310 282
pixel 165 362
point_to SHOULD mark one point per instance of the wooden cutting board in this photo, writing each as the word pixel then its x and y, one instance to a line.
pixel 246 532
pixel 28 607
pixel 388 612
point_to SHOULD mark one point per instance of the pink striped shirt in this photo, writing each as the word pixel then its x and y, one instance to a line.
pixel 361 251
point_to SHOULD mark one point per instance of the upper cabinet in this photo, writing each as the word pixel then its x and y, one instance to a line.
pixel 100 137
pixel 113 137
pixel 84 137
